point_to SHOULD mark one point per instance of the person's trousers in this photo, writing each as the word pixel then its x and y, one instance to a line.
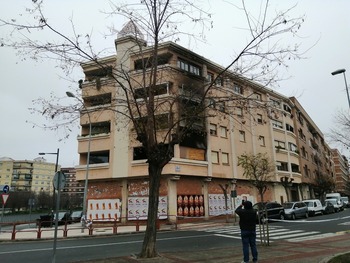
pixel 249 240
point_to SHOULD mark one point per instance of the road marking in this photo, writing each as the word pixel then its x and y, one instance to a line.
pixel 296 234
pixel 311 237
pixel 234 237
pixel 100 245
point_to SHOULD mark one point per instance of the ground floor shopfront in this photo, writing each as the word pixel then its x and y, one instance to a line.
pixel 180 197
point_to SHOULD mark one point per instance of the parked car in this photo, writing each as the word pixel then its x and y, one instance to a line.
pixel 314 206
pixel 274 210
pixel 76 216
pixel 345 200
pixel 293 210
pixel 338 199
pixel 335 204
pixel 63 217
pixel 328 208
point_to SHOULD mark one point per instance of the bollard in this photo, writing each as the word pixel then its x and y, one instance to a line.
pixel 90 230
pixel 13 236
pixel 115 227
pixel 65 230
pixel 137 224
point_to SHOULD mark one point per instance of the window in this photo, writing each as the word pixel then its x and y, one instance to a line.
pixel 98 100
pixel 282 166
pixel 225 159
pixel 210 77
pixel 301 134
pixel 293 147
pixel 99 157
pixel 214 157
pixel 289 128
pixel 219 82
pixel 213 129
pixel 295 168
pixel 275 103
pixel 221 106
pixel 277 124
pixel 242 136
pixel 184 65
pixel 159 89
pixel 287 108
pixel 237 89
pixel 223 131
pixel 239 111
pixel 259 118
pixel 139 153
pixel 280 144
pixel 262 140
pixel 257 96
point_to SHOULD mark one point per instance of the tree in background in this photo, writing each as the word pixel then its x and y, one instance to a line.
pixel 340 133
pixel 323 184
pixel 161 20
pixel 258 169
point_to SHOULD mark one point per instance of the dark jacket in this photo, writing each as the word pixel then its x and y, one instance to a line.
pixel 247 218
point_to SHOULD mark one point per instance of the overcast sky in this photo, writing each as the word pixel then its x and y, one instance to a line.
pixel 327 24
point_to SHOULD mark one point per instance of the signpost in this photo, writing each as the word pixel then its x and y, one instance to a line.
pixel 59 180
pixel 4 189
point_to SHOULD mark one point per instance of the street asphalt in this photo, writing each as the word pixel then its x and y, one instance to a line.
pixel 311 251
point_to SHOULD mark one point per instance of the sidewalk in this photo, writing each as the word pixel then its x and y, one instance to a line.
pixel 312 251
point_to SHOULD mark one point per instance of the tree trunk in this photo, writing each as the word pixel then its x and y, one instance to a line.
pixel 149 242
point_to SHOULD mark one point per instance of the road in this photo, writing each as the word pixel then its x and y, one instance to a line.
pixel 82 249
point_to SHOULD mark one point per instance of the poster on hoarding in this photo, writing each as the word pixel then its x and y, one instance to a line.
pixel 217 204
pixel 138 208
pixel 104 209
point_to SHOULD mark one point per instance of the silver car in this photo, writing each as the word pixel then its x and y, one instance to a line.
pixel 293 210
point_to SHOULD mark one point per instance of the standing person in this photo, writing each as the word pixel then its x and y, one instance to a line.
pixel 247 223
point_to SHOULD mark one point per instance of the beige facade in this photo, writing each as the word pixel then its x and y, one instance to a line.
pixel 341 170
pixel 27 175
pixel 267 122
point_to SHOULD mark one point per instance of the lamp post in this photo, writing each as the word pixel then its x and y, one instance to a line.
pixel 56 168
pixel 71 95
pixel 339 71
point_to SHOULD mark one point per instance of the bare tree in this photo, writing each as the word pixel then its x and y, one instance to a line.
pixel 258 170
pixel 340 134
pixel 158 133
pixel 323 184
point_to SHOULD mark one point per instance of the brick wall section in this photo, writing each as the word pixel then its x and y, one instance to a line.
pixel 104 190
pixel 214 186
pixel 113 189
pixel 245 188
pixel 189 186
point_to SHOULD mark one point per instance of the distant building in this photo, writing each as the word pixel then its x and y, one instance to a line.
pixel 341 177
pixel 27 175
pixel 73 191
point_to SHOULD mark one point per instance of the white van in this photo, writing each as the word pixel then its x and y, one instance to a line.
pixel 337 197
pixel 314 206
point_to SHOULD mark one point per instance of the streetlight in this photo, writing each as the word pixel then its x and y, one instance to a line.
pixel 71 95
pixel 53 205
pixel 339 71
pixel 56 168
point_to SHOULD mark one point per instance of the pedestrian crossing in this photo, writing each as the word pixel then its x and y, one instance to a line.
pixel 276 233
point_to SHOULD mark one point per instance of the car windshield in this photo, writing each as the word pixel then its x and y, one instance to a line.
pixel 333 201
pixel 76 213
pixel 258 206
pixel 309 204
pixel 288 205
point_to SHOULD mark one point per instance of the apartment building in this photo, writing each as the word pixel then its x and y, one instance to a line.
pixel 73 191
pixel 341 169
pixel 27 175
pixel 205 162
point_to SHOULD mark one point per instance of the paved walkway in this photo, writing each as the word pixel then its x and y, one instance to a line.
pixel 311 251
